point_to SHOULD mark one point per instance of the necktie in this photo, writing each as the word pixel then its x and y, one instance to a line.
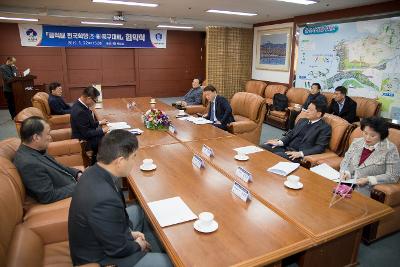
pixel 212 115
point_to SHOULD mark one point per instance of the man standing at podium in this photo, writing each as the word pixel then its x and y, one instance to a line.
pixel 9 71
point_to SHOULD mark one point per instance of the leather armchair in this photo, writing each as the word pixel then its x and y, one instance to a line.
pixel 41 101
pixel 280 118
pixel 255 87
pixel 340 132
pixel 248 110
pixel 8 148
pixel 56 134
pixel 329 97
pixel 271 90
pixel 366 107
pixel 193 109
pixel 40 241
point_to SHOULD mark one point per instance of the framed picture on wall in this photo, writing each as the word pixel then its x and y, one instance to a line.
pixel 274 49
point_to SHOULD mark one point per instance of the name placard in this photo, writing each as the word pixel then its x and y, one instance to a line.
pixel 172 129
pixel 243 174
pixel 198 162
pixel 207 151
pixel 241 192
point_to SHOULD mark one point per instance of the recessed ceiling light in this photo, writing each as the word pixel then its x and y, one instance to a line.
pixel 101 23
pixel 231 12
pixel 117 2
pixel 301 2
pixel 24 19
pixel 175 27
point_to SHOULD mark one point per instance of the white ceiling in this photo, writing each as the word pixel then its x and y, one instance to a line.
pixel 186 12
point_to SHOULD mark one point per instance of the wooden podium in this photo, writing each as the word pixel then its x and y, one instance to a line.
pixel 23 91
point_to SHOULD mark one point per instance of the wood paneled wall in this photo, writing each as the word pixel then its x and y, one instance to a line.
pixel 121 72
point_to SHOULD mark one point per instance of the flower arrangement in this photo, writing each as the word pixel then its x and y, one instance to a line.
pixel 155 119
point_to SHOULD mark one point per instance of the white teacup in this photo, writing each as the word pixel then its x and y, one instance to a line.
pixel 152 101
pixel 241 155
pixel 293 179
pixel 147 163
pixel 206 218
pixel 181 112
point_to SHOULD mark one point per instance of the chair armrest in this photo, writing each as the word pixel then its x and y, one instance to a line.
pixel 238 127
pixel 51 226
pixel 60 119
pixel 193 109
pixel 334 162
pixel 61 134
pixel 313 159
pixel 388 194
pixel 66 147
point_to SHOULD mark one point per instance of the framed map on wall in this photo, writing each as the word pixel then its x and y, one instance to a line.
pixel 273 49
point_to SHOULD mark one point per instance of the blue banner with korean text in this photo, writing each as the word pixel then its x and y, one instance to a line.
pixel 66 36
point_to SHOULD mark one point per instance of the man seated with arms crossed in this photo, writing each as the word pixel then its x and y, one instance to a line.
pixel 84 123
pixel 311 135
pixel 100 227
pixel 343 106
pixel 220 111
pixel 45 179
pixel 193 97
pixel 56 102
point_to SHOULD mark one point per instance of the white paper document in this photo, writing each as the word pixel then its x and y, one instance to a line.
pixel 326 171
pixel 248 149
pixel 98 106
pixel 195 120
pixel 284 168
pixel 118 125
pixel 26 72
pixel 171 211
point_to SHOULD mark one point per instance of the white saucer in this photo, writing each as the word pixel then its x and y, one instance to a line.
pixel 291 186
pixel 243 158
pixel 153 167
pixel 213 226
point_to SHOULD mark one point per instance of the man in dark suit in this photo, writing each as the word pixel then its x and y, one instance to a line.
pixel 220 111
pixel 343 106
pixel 315 94
pixel 56 102
pixel 84 123
pixel 311 135
pixel 9 71
pixel 45 179
pixel 101 228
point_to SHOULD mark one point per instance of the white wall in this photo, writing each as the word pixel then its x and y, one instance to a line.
pixel 268 75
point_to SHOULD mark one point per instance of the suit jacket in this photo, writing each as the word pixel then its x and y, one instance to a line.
pixel 44 178
pixel 58 105
pixel 223 110
pixel 318 97
pixel 314 141
pixel 348 111
pixel 381 167
pixel 98 225
pixel 7 72
pixel 84 125
pixel 194 96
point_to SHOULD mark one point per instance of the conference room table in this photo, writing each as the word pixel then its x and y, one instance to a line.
pixel 275 224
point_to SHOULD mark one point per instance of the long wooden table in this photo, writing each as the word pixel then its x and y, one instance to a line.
pixel 277 223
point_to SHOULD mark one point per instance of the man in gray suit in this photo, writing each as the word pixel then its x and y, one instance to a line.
pixel 311 135
pixel 45 179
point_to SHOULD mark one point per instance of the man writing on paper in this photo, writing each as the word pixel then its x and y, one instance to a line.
pixel 311 135
pixel 84 123
pixel 220 111
pixel 101 228
pixel 9 71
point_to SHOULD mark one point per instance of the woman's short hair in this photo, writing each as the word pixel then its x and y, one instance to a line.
pixel 378 124
pixel 117 143
pixel 53 86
